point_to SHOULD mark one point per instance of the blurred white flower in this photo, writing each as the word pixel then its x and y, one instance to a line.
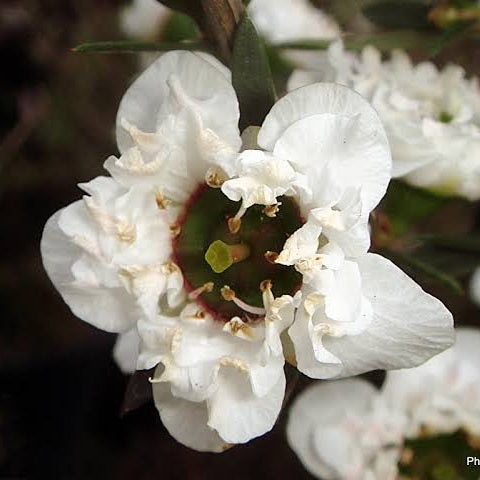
pixel 443 394
pixel 143 18
pixel 182 250
pixel 343 430
pixel 432 116
pixel 347 429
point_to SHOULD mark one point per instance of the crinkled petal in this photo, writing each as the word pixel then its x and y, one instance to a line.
pixel 149 100
pixel 109 308
pixel 347 148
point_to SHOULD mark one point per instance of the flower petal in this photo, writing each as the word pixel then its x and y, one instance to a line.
pixel 109 308
pixel 409 326
pixel 149 100
pixel 345 148
pixel 236 413
pixel 186 421
pixel 126 350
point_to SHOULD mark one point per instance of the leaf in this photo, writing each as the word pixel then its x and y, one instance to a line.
pixel 384 41
pixel 251 75
pixel 399 14
pixel 453 242
pixel 405 205
pixel 133 46
pixel 416 266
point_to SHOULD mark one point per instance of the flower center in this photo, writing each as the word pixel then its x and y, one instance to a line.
pixel 445 117
pixel 440 457
pixel 223 270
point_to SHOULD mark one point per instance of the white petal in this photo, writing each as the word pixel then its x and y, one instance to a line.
pixel 236 413
pixel 186 421
pixel 347 148
pixel 409 326
pixel 148 101
pixel 126 350
pixel 111 309
pixel 320 409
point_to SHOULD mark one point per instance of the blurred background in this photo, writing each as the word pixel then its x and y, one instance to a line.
pixel 61 394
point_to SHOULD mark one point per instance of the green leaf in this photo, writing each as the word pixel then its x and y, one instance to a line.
pixel 251 75
pixel 399 14
pixel 133 46
pixel 416 266
pixel 384 41
pixel 406 205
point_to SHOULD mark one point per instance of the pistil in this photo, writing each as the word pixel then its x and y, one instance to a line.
pixel 221 256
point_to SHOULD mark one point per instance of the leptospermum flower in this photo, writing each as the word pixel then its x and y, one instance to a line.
pixel 209 259
pixel 432 116
pixel 347 429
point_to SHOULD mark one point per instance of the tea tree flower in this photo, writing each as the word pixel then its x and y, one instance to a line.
pixel 432 116
pixel 208 259
pixel 348 429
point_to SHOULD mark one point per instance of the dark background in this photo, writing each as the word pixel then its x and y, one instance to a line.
pixel 60 392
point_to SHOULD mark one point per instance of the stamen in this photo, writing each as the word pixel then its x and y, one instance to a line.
pixel 272 210
pixel 162 202
pixel 265 285
pixel 214 177
pixel 206 287
pixel 271 257
pixel 221 256
pixel 175 229
pixel 229 295
pixel 234 223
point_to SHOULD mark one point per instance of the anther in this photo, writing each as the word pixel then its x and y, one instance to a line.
pixel 214 178
pixel 162 202
pixel 234 224
pixel 227 293
pixel 205 288
pixel 175 229
pixel 265 285
pixel 270 257
pixel 272 210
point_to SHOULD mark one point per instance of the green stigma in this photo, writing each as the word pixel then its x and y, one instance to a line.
pixel 221 256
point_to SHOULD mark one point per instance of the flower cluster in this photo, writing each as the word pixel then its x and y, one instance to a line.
pixel 349 419
pixel 217 263
pixel 431 116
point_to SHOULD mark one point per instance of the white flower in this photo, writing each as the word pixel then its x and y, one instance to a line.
pixel 143 18
pixel 343 430
pixel 432 116
pixel 349 419
pixel 184 250
pixel 443 394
